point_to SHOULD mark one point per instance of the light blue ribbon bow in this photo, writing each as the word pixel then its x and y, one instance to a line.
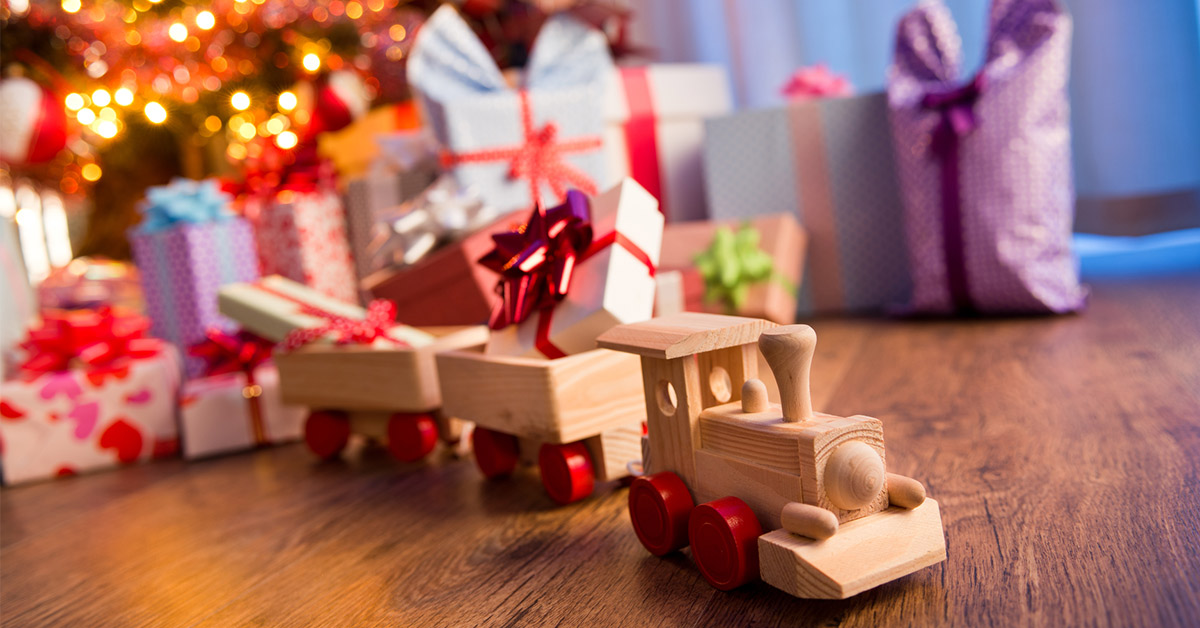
pixel 183 201
pixel 448 61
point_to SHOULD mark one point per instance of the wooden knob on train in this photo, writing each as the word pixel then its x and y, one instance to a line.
pixel 789 352
pixel 854 475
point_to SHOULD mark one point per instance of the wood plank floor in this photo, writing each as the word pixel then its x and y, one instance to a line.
pixel 1065 453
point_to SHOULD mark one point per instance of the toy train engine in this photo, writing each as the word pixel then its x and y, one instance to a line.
pixel 839 523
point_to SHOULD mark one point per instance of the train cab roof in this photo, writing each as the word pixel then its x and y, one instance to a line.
pixel 684 334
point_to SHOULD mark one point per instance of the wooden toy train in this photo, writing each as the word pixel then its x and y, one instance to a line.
pixel 839 523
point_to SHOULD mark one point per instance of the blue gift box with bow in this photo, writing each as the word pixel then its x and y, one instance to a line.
pixel 515 144
pixel 188 245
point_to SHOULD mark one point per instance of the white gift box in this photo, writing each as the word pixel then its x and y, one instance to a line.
pixel 17 304
pixel 215 415
pixel 612 287
pixel 273 307
pixel 675 99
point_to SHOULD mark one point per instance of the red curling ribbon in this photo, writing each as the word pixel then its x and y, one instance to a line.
pixel 99 339
pixel 242 352
pixel 538 159
pixel 379 320
pixel 641 137
pixel 536 263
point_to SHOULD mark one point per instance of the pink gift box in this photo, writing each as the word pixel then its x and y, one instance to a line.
pixel 301 233
pixel 217 414
pixel 85 419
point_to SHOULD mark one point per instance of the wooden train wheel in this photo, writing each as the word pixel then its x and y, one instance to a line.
pixel 724 536
pixel 659 507
pixel 326 433
pixel 566 471
pixel 495 452
pixel 411 437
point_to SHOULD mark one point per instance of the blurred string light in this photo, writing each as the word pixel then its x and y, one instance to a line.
pixel 205 20
pixel 101 98
pixel 286 140
pixel 86 116
pixel 74 102
pixel 240 100
pixel 311 62
pixel 155 112
pixel 123 96
pixel 177 32
pixel 287 101
pixel 71 6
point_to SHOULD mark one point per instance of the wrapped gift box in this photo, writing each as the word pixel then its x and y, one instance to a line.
pixel 447 287
pixel 70 418
pixel 985 163
pixel 516 145
pixel 780 238
pixel 372 196
pixel 226 413
pixel 188 246
pixel 612 284
pixel 830 163
pixel 301 232
pixel 17 304
pixel 654 130
pixel 273 307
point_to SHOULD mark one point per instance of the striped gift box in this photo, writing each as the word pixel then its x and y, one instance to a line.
pixel 830 163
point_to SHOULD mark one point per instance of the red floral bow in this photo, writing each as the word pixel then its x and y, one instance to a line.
pixel 536 261
pixel 380 318
pixel 97 338
pixel 240 352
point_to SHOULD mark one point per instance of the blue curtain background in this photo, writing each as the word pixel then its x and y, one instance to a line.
pixel 1135 76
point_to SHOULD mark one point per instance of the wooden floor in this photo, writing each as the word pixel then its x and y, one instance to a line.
pixel 1065 453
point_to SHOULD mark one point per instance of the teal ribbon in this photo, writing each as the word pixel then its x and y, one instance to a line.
pixel 183 201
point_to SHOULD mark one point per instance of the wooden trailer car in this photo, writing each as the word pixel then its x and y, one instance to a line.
pixel 580 417
pixel 837 523
pixel 386 393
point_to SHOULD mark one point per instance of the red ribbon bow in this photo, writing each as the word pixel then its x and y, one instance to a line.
pixel 536 261
pixel 97 338
pixel 538 159
pixel 380 318
pixel 231 353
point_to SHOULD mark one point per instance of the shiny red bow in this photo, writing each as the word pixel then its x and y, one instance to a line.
pixel 537 260
pixel 380 318
pixel 96 338
pixel 223 352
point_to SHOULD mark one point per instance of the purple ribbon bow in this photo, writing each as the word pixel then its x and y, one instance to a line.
pixel 956 110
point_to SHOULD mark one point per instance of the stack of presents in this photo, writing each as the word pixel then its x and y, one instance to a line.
pixel 522 217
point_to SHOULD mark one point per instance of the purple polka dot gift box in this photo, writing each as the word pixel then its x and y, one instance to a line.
pixel 828 161
pixel 985 163
pixel 188 245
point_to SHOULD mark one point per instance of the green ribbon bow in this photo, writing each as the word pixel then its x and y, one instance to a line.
pixel 732 264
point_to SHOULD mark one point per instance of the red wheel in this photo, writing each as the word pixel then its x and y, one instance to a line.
pixel 659 506
pixel 495 452
pixel 724 535
pixel 411 436
pixel 566 471
pixel 326 433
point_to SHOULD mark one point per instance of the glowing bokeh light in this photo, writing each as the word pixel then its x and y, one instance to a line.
pixel 101 98
pixel 124 96
pixel 155 112
pixel 286 140
pixel 311 62
pixel 86 116
pixel 240 100
pixel 91 172
pixel 205 20
pixel 178 32
pixel 74 102
pixel 287 101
